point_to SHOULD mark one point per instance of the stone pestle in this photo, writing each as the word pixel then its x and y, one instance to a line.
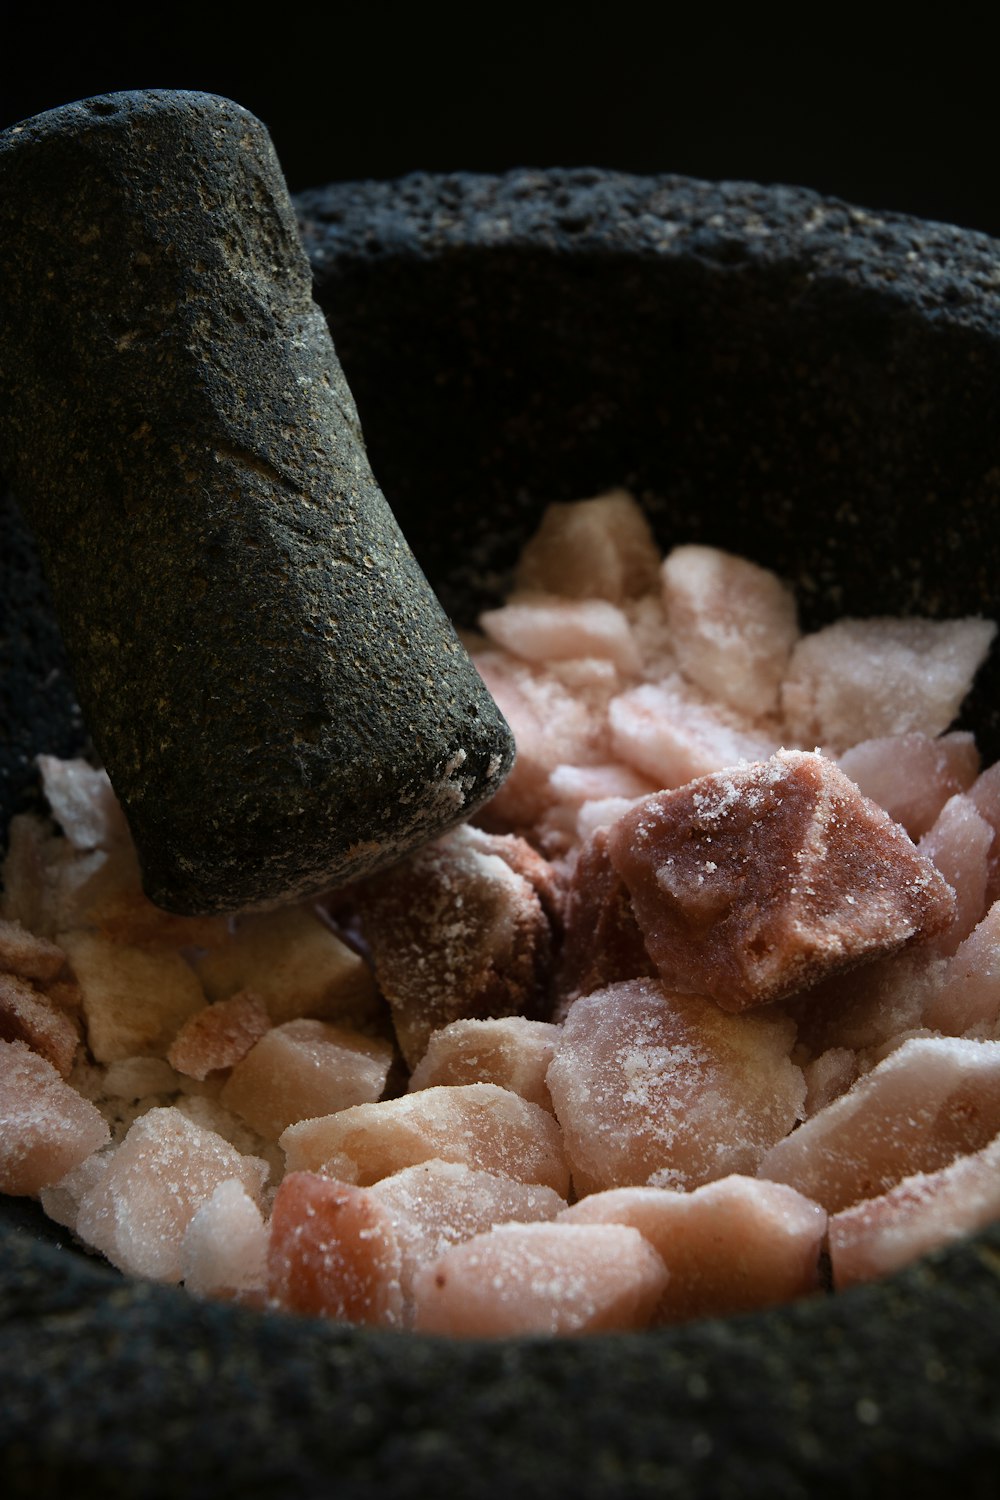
pixel 276 693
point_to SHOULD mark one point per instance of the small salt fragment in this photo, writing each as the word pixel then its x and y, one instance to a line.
pixel 83 803
pixel 303 1069
pixel 46 1128
pixel 756 883
pixel 333 1253
pixel 510 1051
pixel 729 1246
pixel 672 732
pixel 592 549
pixel 480 1124
pixel 932 1099
pixel 224 1249
pixel 541 1279
pixel 135 999
pixel 27 1015
pixel 968 999
pixel 61 1201
pixel 27 956
pixel 912 775
pixel 136 1078
pixel 219 1035
pixel 827 1077
pixel 733 625
pixel 866 679
pixel 985 797
pixel 544 628
pixel 647 1082
pixel 958 845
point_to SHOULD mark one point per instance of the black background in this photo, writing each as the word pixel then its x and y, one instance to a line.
pixel 905 119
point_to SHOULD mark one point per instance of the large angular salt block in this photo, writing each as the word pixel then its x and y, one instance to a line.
pixel 865 679
pixel 135 999
pixel 46 1128
pixel 922 1213
pixel 441 1203
pixel 455 933
pixel 164 1170
pixel 913 775
pixel 958 844
pixel 733 626
pixel 542 1279
pixel 968 998
pixel 544 628
pixel 224 1249
pixel 304 1069
pixel 480 1124
pixel 592 549
pixel 729 1246
pixel 296 964
pixel 932 1099
pixel 510 1051
pixel 602 941
pixel 333 1253
pixel 219 1035
pixel 758 882
pixel 28 956
pixel 649 1084
pixel 27 1015
pixel 672 732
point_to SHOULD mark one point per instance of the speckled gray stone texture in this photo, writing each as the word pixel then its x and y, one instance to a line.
pixel 774 373
pixel 277 695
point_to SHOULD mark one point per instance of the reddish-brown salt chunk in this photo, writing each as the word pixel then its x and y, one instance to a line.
pixel 758 882
pixel 510 1051
pixel 969 995
pixel 602 943
pixel 135 999
pixel 672 732
pixel 219 1035
pixel 592 549
pixel 959 845
pixel 28 1016
pixel 164 1170
pixel 224 1249
pixel 304 1069
pixel 648 1084
pixel 866 1007
pixel 733 626
pixel 932 1099
pixel 866 679
pixel 912 775
pixel 480 1124
pixel 27 956
pixel 544 628
pixel 922 1213
pixel 333 1253
pixel 542 1279
pixel 455 933
pixel 729 1246
pixel 46 1127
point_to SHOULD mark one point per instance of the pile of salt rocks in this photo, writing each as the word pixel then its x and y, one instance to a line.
pixel 707 1000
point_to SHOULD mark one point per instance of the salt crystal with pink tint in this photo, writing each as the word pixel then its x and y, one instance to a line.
pixel 958 844
pixel 756 883
pixel 867 1006
pixel 672 732
pixel 333 1253
pixel 510 1051
pixel 984 794
pixel 912 775
pixel 46 1127
pixel 28 956
pixel 480 1124
pixel 165 1169
pixel 555 1279
pixel 27 1015
pixel 922 1213
pixel 544 628
pixel 602 942
pixel 224 1249
pixel 968 998
pixel 592 549
pixel 932 1099
pixel 83 803
pixel 219 1035
pixel 866 679
pixel 733 625
pixel 648 1083
pixel 827 1077
pixel 729 1246
pixel 303 1069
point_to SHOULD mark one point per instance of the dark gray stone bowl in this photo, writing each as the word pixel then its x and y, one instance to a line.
pixel 802 382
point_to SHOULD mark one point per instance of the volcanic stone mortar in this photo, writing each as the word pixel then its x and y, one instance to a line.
pixel 805 383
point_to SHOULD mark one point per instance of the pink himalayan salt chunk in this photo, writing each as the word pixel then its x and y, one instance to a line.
pixel 455 933
pixel 480 1124
pixel 541 1279
pixel 438 1204
pixel 46 1127
pixel 912 775
pixel 164 1170
pixel 49 887
pixel 930 1100
pixel 83 803
pixel 758 882
pixel 62 1200
pixel 733 626
pixel 600 815
pixel 510 1051
pixel 922 1213
pixel 985 797
pixel 592 549
pixel 333 1253
pixel 27 1015
pixel 135 999
pixel 27 956
pixel 602 943
pixel 647 1084
pixel 827 1077
pixel 304 1069
pixel 865 679
pixel 219 1036
pixel 292 960
pixel 729 1246
pixel 224 1249
pixel 969 995
pixel 958 845
pixel 672 732
pixel 544 628
pixel 866 1007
